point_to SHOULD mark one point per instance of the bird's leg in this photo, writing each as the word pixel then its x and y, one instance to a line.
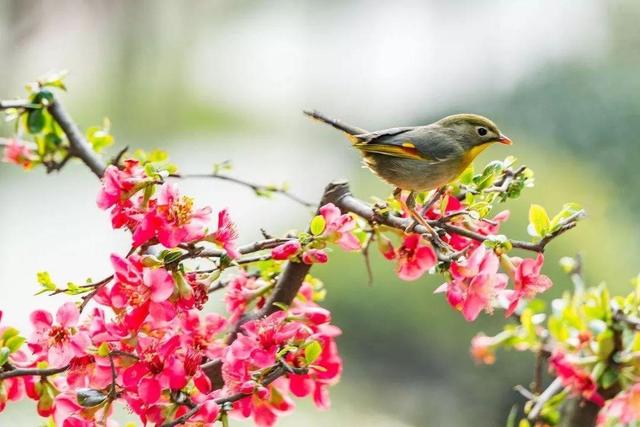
pixel 432 199
pixel 409 207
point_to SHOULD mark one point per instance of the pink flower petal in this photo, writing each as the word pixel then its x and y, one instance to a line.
pixel 149 390
pixel 41 319
pixel 160 282
pixel 68 314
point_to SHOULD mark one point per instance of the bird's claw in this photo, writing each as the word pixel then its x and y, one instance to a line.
pixel 411 226
pixel 440 244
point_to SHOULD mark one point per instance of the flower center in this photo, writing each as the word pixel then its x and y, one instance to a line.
pixel 180 211
pixel 153 362
pixel 58 335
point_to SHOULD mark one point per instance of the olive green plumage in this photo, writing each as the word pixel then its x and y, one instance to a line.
pixel 423 157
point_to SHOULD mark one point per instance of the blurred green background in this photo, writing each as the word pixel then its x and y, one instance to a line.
pixel 217 80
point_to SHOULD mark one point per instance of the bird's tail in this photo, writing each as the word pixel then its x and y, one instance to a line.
pixel 351 130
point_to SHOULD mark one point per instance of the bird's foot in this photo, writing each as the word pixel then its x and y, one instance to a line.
pixel 440 244
pixel 411 226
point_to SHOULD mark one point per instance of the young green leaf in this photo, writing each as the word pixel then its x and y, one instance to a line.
pixel 14 343
pixel 538 221
pixel 312 351
pixel 318 225
pixel 36 121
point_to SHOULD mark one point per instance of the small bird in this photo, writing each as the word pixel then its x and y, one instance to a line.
pixel 421 158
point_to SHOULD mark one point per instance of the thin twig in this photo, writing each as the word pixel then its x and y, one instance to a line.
pixel 22 372
pixel 259 189
pixel 276 372
pixel 553 388
pixel 19 104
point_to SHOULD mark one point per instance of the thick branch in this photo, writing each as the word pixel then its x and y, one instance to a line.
pixel 78 145
pixel 286 288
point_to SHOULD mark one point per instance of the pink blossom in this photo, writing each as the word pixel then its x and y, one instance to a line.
pixel 260 339
pixel 482 349
pixel 339 228
pixel 286 250
pixel 59 342
pixel 226 234
pixel 476 284
pixel 453 205
pixel 625 407
pixel 579 381
pixel 203 333
pixel 315 256
pixel 156 369
pixel 385 247
pixel 240 292
pixel 140 291
pixel 117 184
pixel 527 279
pixel 172 219
pixel 415 257
pixel 18 153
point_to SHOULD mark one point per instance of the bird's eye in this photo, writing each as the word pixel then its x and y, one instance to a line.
pixel 482 131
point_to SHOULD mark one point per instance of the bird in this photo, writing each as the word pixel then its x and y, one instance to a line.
pixel 421 158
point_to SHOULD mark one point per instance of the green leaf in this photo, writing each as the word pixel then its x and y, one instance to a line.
pixel 10 332
pixel 103 350
pixel 318 225
pixel 598 370
pixel 52 140
pixel 538 221
pixel 568 264
pixel 568 209
pixel 513 414
pixel 44 279
pixel 605 344
pixel 312 351
pixel 14 343
pixel 170 256
pixel 36 121
pixel 467 176
pixel 89 397
pixel 609 378
pixel 54 79
pixel 4 355
pixel 99 136
pixel 282 306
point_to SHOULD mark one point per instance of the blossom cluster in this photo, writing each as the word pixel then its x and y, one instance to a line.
pixel 589 342
pixel 144 340
pixel 480 272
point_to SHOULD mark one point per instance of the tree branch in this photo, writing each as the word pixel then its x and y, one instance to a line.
pixel 18 103
pixel 23 372
pixel 347 203
pixel 278 371
pixel 258 189
pixel 78 145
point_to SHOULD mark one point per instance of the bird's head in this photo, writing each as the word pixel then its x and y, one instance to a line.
pixel 473 131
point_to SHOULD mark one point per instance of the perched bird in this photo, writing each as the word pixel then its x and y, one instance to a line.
pixel 421 158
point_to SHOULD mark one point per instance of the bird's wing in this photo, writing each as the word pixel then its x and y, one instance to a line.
pixel 421 143
pixel 388 142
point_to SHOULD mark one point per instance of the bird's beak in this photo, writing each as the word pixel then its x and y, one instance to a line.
pixel 504 139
